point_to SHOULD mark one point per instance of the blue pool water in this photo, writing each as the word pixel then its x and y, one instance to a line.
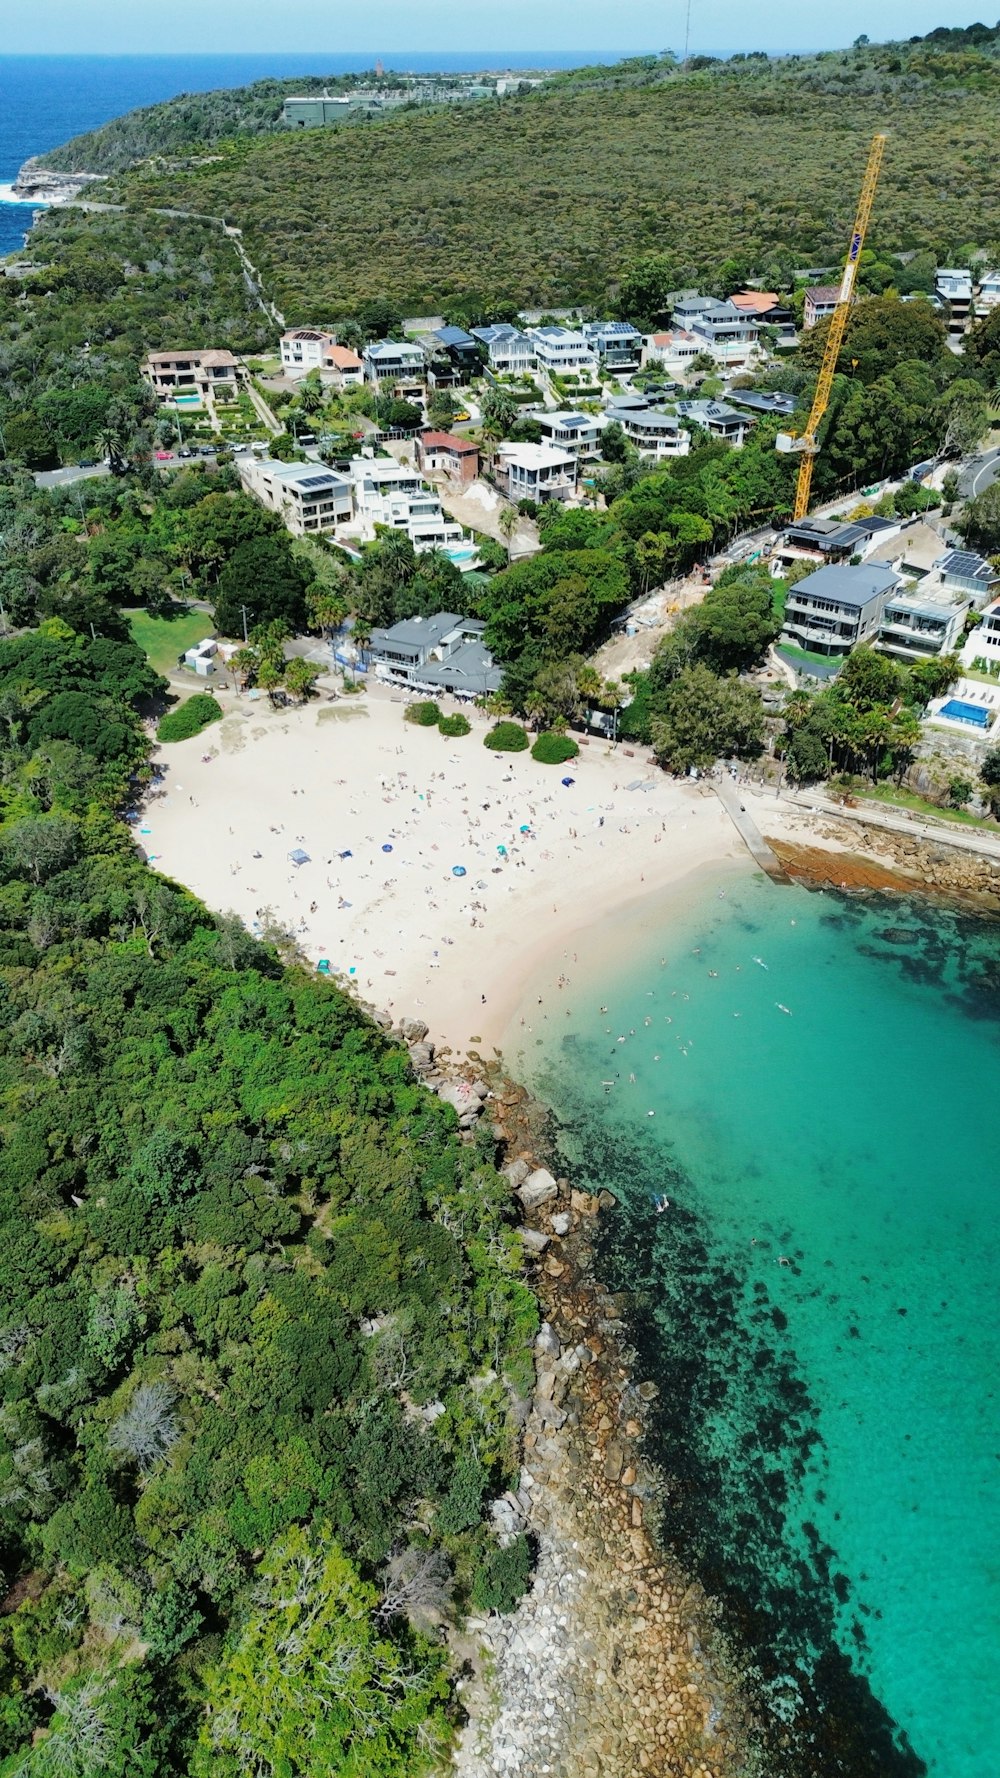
pixel 818 1306
pixel 960 711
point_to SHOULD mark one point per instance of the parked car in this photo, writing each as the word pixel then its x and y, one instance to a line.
pixel 185 452
pixel 164 456
pixel 206 450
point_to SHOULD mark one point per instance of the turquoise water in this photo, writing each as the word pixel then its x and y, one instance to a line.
pixel 830 1423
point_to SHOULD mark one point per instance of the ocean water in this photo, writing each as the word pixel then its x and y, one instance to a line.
pixel 44 100
pixel 818 1301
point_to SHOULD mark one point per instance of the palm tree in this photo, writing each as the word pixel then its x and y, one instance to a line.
pixel 507 522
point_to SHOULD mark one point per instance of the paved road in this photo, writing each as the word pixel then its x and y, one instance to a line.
pixel 62 478
pixel 978 474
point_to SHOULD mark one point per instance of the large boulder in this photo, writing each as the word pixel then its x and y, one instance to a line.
pixel 516 1172
pixel 414 1030
pixel 422 1057
pixel 537 1189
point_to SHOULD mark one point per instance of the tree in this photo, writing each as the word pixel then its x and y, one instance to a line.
pixel 968 417
pixel 264 575
pixel 27 440
pixel 300 677
pixel 498 410
pixel 507 522
pixel 701 718
pixel 737 620
pixel 312 1686
pixel 147 1431
pixel 42 847
pixel 614 444
pixel 979 521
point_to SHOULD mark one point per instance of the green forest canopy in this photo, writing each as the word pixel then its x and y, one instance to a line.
pixel 548 197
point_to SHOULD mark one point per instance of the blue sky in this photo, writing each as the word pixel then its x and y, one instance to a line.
pixel 392 26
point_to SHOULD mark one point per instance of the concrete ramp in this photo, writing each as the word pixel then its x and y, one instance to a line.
pixel 747 828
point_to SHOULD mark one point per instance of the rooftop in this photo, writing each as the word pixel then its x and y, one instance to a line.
pixel 299 475
pixel 536 456
pixel 343 358
pixel 447 441
pixel 823 293
pixel 653 419
pixel 425 632
pixel 854 587
pixel 966 565
pixel 763 401
pixel 304 333
pixel 453 336
pixel 755 299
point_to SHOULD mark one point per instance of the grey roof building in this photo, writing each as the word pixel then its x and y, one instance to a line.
pixel 831 611
pixel 763 401
pixel 443 653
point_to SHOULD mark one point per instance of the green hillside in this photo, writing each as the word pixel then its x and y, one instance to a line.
pixel 546 198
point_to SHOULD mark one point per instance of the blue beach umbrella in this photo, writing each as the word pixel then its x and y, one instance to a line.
pixel 387 848
pixel 569 781
pixel 458 870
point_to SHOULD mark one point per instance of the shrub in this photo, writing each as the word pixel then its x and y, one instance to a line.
pixel 425 714
pixel 503 1576
pixel 506 737
pixel 454 725
pixel 189 718
pixel 554 750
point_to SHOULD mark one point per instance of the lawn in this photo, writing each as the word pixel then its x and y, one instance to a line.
pixel 908 799
pixel 164 638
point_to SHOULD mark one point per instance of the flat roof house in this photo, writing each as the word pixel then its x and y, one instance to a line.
pixel 988 294
pixel 653 433
pixel 386 361
pixel 953 285
pixel 617 343
pixel 831 611
pixel 728 335
pixel 441 653
pixel 537 471
pixel 449 455
pixel 981 650
pixel 763 401
pixel 834 540
pixel 578 433
pixel 309 497
pixel 559 349
pixel 820 301
pixel 920 622
pixel 460 348
pixel 302 350
pixel 390 493
pixel 718 419
pixel 193 373
pixel 509 351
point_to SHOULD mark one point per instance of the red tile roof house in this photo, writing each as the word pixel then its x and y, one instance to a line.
pixel 346 366
pixel 457 457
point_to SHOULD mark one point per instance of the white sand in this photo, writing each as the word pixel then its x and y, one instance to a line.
pixel 457 952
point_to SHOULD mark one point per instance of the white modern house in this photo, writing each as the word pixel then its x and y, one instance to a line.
pixel 717 418
pixel 393 494
pixel 578 433
pixel 831 611
pixel 510 352
pixel 981 649
pixel 725 332
pixel 953 285
pixel 988 294
pixel 559 350
pixel 921 621
pixel 302 350
pixel 537 471
pixel 652 432
pixel 308 496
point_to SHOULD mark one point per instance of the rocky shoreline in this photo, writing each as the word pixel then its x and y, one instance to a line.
pixel 613 1663
pixel 877 859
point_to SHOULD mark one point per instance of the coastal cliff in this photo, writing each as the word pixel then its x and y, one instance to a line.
pixel 36 184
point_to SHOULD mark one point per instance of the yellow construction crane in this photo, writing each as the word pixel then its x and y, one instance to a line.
pixel 806 442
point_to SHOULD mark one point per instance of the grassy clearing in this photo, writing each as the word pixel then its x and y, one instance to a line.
pixel 908 799
pixel 164 638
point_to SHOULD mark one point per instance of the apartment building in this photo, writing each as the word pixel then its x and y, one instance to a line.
pixel 309 497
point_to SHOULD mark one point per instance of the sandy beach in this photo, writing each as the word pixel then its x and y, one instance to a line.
pixel 388 813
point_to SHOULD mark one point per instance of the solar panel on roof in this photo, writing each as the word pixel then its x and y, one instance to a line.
pixel 316 481
pixel 963 561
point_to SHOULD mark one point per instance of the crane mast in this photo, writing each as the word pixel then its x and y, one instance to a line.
pixel 806 442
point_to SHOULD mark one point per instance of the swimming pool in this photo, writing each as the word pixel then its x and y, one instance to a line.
pixel 977 715
pixel 461 555
pixel 187 400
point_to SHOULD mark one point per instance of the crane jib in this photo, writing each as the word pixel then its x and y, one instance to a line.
pixel 856 245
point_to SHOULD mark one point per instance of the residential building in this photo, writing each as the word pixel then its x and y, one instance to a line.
pixel 509 351
pixel 767 309
pixel 763 401
pixel 448 454
pixel 309 497
pixel 962 571
pixel 302 350
pixel 346 368
pixel 441 653
pixel 831 611
pixel 559 350
pixel 920 621
pixel 674 350
pixel 833 540
pixel 718 419
pixel 391 493
pixel 988 294
pixel 191 374
pixel 617 343
pixel 537 471
pixel 459 347
pixel 954 286
pixel 729 336
pixel 652 432
pixel 578 433
pixel 981 650
pixel 820 301
pixel 386 361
